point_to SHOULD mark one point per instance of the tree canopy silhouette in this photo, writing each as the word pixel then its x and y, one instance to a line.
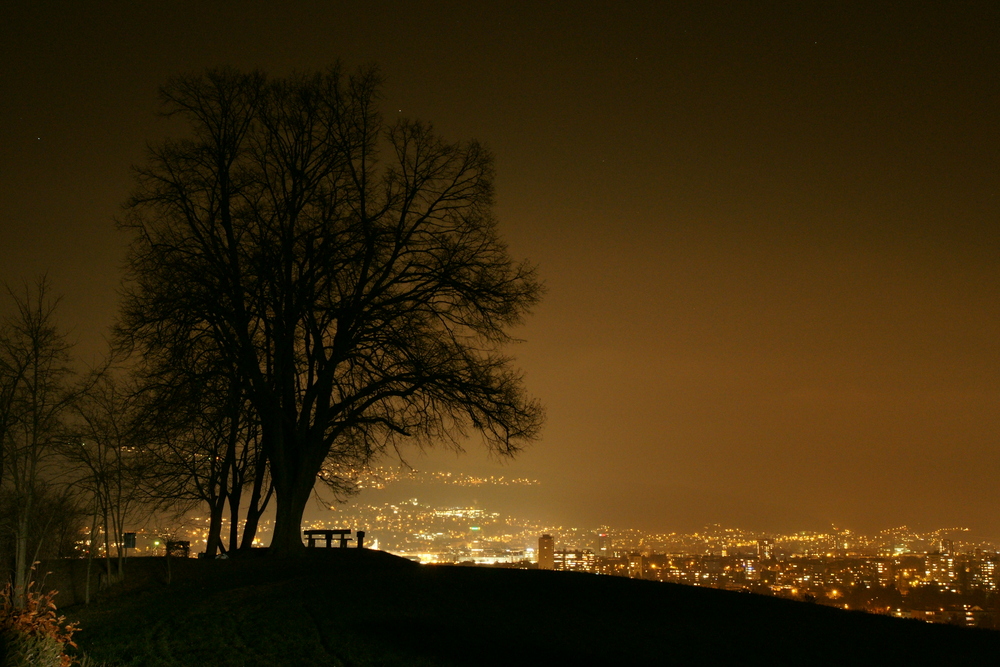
pixel 346 272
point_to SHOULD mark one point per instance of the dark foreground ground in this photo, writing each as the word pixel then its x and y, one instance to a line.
pixel 357 608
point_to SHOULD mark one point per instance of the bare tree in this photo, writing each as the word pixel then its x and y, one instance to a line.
pixel 103 448
pixel 351 272
pixel 53 528
pixel 205 448
pixel 38 391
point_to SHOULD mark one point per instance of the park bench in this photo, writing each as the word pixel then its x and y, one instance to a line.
pixel 342 533
pixel 327 534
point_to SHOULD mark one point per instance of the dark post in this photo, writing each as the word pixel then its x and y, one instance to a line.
pixel 128 542
pixel 361 539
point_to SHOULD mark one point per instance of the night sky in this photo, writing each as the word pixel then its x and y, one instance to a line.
pixel 770 231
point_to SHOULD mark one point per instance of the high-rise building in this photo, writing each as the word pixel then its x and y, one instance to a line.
pixel 986 573
pixel 546 553
pixel 603 545
pixel 765 549
pixel 941 569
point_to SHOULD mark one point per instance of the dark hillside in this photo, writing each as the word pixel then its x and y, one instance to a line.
pixel 367 608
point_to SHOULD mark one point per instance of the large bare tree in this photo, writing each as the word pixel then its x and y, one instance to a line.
pixel 350 273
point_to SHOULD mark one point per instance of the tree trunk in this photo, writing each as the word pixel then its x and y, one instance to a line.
pixel 254 512
pixel 120 544
pixel 22 566
pixel 285 540
pixel 256 506
pixel 119 510
pixel 214 542
pixel 289 507
pixel 231 474
pixel 234 520
pixel 90 558
pixel 107 547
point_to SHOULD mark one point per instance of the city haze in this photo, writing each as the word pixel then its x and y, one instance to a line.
pixel 769 236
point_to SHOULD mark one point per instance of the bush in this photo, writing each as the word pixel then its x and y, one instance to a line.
pixel 33 634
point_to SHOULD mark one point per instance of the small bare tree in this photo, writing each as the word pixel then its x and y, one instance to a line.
pixel 37 391
pixel 104 452
pixel 205 448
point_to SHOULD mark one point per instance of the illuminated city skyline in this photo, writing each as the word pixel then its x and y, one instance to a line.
pixel 413 524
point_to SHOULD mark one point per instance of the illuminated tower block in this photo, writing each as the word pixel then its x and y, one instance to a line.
pixel 765 549
pixel 941 569
pixel 603 545
pixel 988 573
pixel 546 553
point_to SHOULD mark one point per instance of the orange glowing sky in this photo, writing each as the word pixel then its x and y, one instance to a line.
pixel 770 232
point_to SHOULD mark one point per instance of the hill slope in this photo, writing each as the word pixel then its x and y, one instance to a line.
pixel 368 608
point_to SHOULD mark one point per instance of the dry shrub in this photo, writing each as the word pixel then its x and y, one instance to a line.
pixel 33 634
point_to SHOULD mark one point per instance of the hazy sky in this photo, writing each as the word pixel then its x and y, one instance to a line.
pixel 770 232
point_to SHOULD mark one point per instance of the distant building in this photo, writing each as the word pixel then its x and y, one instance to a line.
pixel 546 553
pixel 765 549
pixel 574 561
pixel 941 569
pixel 636 566
pixel 613 565
pixel 885 572
pixel 984 575
pixel 603 545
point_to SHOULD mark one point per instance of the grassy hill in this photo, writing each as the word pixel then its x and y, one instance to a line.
pixel 358 608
